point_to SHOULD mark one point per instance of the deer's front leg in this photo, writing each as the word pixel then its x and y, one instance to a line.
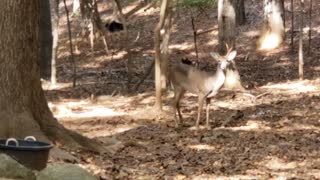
pixel 207 112
pixel 201 98
pixel 178 93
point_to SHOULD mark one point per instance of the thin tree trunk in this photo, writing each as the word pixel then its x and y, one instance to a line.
pixel 240 12
pixel 165 46
pixel 87 10
pixel 310 26
pixel 55 33
pixel 301 40
pixel 126 44
pixel 292 24
pixel 73 62
pixel 164 6
pixel 195 39
pixel 45 39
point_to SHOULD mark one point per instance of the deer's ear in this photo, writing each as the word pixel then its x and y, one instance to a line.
pixel 231 55
pixel 215 56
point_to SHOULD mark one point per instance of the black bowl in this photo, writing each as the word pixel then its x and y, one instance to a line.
pixel 31 154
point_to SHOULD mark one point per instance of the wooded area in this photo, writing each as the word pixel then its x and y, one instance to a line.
pixel 118 87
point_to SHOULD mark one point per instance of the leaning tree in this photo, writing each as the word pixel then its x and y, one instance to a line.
pixel 23 107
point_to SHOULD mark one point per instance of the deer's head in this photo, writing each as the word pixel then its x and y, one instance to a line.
pixel 225 60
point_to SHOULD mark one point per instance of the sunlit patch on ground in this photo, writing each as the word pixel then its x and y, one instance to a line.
pixel 293 87
pixel 81 109
pixel 201 147
pixel 275 163
pixel 251 126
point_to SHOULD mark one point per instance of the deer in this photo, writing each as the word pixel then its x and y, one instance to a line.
pixel 206 85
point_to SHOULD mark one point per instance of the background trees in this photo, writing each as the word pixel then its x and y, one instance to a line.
pixel 282 113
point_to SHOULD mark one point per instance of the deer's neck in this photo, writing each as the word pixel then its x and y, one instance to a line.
pixel 219 78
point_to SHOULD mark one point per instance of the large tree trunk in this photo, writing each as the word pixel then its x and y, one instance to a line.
pixel 45 39
pixel 23 107
pixel 273 30
pixel 227 36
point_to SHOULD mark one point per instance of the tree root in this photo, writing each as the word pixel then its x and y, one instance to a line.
pixel 60 135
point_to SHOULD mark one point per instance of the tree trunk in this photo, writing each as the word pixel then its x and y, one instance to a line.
pixel 240 12
pixel 292 25
pixel 72 60
pixel 227 25
pixel 45 39
pixel 23 107
pixel 301 24
pixel 91 22
pixel 310 27
pixel 227 36
pixel 273 30
pixel 75 6
pixel 165 46
pixel 126 43
pixel 86 8
pixel 55 18
pixel 157 36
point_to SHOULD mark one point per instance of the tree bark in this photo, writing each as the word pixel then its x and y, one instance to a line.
pixel 75 6
pixel 91 22
pixel 240 12
pixel 165 45
pixel 157 36
pixel 227 36
pixel 45 39
pixel 227 25
pixel 292 24
pixel 55 18
pixel 301 24
pixel 310 26
pixel 273 30
pixel 72 60
pixel 126 43
pixel 23 107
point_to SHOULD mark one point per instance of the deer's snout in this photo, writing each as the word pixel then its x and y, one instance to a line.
pixel 223 65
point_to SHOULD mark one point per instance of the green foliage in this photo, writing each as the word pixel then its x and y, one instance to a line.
pixel 197 3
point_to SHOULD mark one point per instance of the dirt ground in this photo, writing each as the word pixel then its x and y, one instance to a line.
pixel 274 135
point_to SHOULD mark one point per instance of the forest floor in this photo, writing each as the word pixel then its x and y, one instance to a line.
pixel 272 136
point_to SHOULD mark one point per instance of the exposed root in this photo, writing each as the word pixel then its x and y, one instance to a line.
pixel 58 134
